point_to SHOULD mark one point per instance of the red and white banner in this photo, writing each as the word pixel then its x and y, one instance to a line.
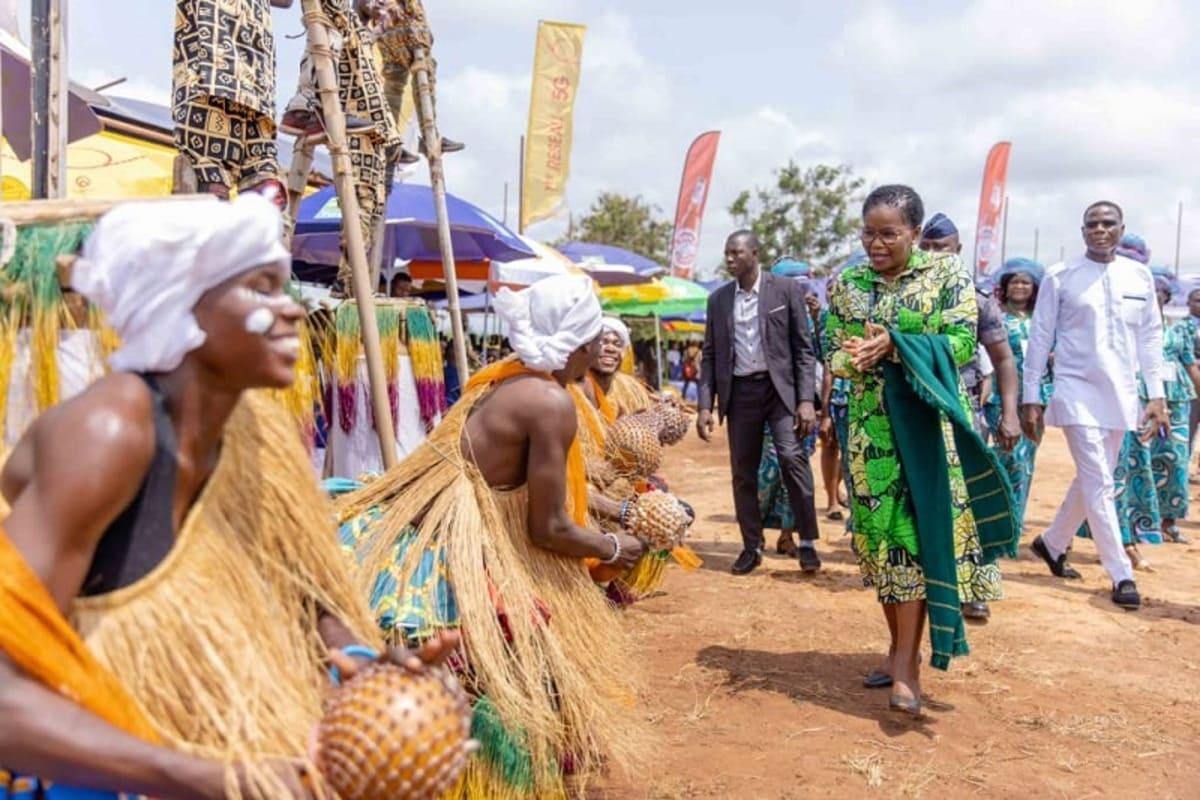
pixel 689 209
pixel 991 208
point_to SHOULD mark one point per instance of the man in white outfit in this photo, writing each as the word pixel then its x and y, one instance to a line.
pixel 1098 313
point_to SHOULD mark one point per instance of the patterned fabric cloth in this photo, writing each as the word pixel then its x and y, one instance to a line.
pixel 772 494
pixel 396 46
pixel 16 787
pixel 428 604
pixel 228 144
pixel 1018 463
pixel 1169 464
pixel 223 90
pixel 934 295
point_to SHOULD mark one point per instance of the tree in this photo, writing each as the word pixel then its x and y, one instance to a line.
pixel 810 213
pixel 627 222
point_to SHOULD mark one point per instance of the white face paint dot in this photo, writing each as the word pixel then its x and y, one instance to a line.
pixel 259 321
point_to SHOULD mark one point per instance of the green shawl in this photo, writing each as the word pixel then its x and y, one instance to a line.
pixel 919 391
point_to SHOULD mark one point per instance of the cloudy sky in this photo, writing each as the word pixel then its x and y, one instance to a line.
pixel 1098 97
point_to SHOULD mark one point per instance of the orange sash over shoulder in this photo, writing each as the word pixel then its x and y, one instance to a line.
pixel 577 486
pixel 42 644
pixel 607 409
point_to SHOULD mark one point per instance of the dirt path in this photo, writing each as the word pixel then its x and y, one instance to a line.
pixel 755 682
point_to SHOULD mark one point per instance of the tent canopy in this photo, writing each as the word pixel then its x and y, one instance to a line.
pixel 666 296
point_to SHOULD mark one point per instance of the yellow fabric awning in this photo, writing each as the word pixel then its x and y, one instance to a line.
pixel 104 165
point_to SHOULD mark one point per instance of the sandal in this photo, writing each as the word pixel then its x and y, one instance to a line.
pixel 786 546
pixel 905 705
pixel 1172 534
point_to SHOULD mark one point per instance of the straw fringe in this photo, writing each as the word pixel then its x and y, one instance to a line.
pixel 629 394
pixel 219 644
pixel 582 653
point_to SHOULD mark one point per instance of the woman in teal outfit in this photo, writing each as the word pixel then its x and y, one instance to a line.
pixel 1017 291
pixel 1181 382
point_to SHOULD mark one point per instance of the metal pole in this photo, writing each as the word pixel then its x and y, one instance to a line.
pixel 505 203
pixel 1035 243
pixel 1004 233
pixel 39 116
pixel 437 178
pixel 1062 253
pixel 315 22
pixel 1178 237
pixel 521 188
pixel 657 353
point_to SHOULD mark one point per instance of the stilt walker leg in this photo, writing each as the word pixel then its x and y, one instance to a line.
pixel 317 26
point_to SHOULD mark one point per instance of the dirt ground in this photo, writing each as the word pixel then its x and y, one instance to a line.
pixel 755 682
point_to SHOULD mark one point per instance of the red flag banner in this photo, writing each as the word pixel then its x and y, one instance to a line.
pixel 991 207
pixel 689 209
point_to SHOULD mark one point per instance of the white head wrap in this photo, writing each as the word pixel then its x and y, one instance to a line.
pixel 147 264
pixel 550 320
pixel 615 325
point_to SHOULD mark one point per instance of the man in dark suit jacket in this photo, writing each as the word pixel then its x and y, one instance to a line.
pixel 759 365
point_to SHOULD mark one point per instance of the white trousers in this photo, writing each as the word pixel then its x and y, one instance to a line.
pixel 1095 452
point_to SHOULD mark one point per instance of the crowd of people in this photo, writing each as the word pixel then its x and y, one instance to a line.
pixel 876 357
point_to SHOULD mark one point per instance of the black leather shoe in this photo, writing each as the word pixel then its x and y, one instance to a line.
pixel 1058 566
pixel 1125 594
pixel 747 562
pixel 976 610
pixel 809 560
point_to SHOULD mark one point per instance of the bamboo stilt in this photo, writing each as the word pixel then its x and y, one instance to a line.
pixel 437 179
pixel 317 26
pixel 302 159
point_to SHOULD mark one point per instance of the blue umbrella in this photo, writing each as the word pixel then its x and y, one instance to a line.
pixel 610 265
pixel 411 232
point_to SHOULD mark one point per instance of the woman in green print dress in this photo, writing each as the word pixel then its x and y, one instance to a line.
pixel 1017 292
pixel 916 293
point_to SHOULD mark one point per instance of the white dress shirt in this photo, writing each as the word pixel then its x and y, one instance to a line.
pixel 1102 322
pixel 748 357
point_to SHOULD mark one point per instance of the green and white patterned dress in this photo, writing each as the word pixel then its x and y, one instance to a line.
pixel 934 295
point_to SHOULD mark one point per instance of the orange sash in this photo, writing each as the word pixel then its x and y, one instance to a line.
pixel 602 402
pixel 43 645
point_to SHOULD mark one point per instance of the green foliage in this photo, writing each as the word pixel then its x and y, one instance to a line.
pixel 627 222
pixel 811 213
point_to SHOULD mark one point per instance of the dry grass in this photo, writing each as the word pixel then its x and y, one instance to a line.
pixel 869 766
pixel 1113 730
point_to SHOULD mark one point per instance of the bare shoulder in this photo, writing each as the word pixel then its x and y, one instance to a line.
pixel 535 403
pixel 110 426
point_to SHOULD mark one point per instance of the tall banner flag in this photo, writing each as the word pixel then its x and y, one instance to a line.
pixel 547 158
pixel 689 208
pixel 991 207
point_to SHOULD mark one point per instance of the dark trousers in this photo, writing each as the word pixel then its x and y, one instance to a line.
pixel 754 404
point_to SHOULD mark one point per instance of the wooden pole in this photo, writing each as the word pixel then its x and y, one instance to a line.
pixel 317 25
pixel 60 87
pixel 521 188
pixel 39 116
pixel 1178 237
pixel 437 179
pixel 297 181
pixel 1004 234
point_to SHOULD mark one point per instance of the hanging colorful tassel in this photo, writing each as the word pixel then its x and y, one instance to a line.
pixel 425 350
pixel 349 345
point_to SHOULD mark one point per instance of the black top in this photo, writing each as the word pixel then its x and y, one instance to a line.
pixel 141 537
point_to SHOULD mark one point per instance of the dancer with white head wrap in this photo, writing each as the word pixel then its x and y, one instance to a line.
pixel 483 527
pixel 172 511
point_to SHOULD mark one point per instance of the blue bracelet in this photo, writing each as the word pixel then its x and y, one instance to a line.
pixel 353 650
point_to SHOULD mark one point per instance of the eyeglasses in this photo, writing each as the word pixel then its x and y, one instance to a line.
pixel 888 236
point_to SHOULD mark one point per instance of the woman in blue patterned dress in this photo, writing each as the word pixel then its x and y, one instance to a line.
pixel 1181 381
pixel 1017 292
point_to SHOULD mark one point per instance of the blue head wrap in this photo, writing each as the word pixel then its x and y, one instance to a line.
pixel 791 268
pixel 1135 247
pixel 1166 283
pixel 939 227
pixel 1023 265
